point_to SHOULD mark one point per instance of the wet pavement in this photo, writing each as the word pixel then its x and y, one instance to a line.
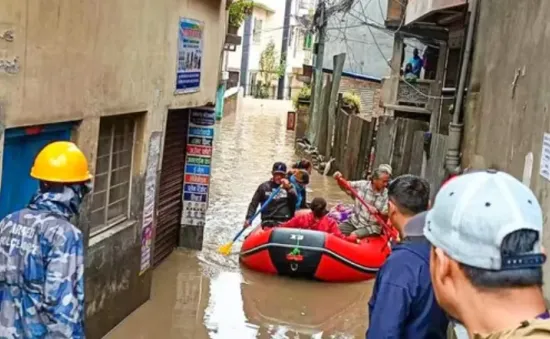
pixel 206 295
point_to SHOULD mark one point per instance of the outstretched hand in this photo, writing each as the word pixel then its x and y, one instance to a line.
pixel 352 238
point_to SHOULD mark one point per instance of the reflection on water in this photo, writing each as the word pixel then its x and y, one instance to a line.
pixel 206 295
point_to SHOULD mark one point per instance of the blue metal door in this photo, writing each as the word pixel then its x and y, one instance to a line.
pixel 20 148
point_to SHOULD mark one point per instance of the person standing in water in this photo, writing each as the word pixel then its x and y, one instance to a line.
pixel 486 232
pixel 403 304
pixel 283 205
pixel 41 251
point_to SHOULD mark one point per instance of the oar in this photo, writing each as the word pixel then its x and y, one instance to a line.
pixel 226 249
pixel 372 210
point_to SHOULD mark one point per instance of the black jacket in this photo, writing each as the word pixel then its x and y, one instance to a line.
pixel 281 208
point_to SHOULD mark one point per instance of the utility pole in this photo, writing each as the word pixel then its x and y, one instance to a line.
pixel 321 24
pixel 284 49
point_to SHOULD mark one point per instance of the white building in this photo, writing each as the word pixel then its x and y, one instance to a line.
pixel 266 25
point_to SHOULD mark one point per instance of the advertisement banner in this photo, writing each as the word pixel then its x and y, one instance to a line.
pixel 190 40
pixel 148 223
pixel 198 163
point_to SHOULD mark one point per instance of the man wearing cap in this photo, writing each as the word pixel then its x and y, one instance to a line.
pixel 283 205
pixel 374 191
pixel 403 304
pixel 486 260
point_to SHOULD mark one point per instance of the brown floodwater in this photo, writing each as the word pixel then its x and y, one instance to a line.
pixel 206 295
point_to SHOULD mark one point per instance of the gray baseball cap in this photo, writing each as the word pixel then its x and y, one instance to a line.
pixel 474 212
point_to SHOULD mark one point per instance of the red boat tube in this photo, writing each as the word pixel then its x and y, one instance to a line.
pixel 313 254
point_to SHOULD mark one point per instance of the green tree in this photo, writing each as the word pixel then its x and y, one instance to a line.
pixel 270 67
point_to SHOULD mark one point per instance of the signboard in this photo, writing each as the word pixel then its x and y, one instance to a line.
pixel 545 157
pixel 190 39
pixel 148 223
pixel 198 163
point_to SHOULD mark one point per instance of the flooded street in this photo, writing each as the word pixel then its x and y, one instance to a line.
pixel 206 295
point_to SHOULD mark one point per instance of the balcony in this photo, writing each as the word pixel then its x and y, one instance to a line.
pixel 418 10
pixel 410 97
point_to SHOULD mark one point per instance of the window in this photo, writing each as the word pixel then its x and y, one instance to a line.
pixel 257 32
pixel 111 196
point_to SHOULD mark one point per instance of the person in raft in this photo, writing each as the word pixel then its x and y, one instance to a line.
pixel 317 219
pixel 282 207
pixel 299 176
pixel 374 191
pixel 299 180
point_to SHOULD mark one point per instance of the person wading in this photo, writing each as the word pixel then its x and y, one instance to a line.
pixel 361 223
pixel 317 219
pixel 403 304
pixel 282 207
pixel 41 252
pixel 486 258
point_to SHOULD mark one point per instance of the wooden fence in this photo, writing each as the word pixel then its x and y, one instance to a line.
pixel 401 143
pixel 353 141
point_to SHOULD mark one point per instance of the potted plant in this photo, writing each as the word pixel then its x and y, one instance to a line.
pixel 238 11
pixel 302 98
pixel 351 102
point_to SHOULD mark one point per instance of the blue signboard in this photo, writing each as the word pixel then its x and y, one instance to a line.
pixel 201 132
pixel 203 117
pixel 190 37
pixel 197 169
pixel 194 188
pixel 192 197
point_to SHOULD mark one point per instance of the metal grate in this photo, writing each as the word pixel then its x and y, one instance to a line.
pixel 171 186
pixel 111 196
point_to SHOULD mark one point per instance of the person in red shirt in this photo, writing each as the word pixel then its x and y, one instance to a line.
pixel 317 220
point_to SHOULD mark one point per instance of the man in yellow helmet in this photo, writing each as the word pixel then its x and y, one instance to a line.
pixel 41 251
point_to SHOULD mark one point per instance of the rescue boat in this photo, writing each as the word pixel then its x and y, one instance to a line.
pixel 313 254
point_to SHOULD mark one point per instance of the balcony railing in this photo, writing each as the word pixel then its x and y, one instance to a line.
pixel 415 94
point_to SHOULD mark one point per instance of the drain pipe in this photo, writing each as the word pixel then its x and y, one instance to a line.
pixel 452 159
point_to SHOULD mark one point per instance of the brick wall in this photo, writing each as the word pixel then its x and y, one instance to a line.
pixel 368 90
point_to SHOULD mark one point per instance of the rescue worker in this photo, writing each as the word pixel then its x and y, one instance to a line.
pixel 283 205
pixel 41 251
pixel 317 219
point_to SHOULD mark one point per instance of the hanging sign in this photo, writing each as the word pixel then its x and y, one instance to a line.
pixel 198 163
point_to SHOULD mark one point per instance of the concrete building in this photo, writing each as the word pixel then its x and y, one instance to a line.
pixel 265 25
pixel 367 48
pixel 103 74
pixel 506 118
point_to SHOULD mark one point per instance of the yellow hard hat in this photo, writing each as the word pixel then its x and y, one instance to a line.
pixel 61 161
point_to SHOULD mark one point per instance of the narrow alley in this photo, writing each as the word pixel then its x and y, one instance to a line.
pixel 206 295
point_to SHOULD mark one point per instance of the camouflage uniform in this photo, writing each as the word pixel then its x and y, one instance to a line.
pixel 41 268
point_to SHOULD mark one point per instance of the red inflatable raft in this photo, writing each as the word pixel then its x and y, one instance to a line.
pixel 313 254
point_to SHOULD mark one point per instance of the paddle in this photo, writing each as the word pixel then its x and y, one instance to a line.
pixel 226 249
pixel 372 210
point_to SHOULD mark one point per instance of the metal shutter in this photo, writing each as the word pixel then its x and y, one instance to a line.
pixel 171 185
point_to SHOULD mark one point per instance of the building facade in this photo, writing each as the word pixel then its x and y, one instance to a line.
pixel 367 48
pixel 506 116
pixel 266 25
pixel 104 75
